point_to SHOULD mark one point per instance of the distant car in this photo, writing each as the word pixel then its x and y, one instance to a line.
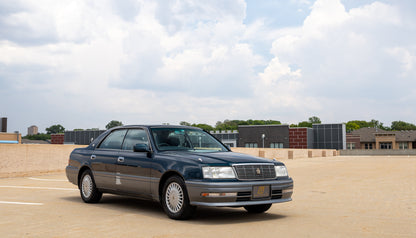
pixel 181 167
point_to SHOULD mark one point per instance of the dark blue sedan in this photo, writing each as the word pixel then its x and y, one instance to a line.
pixel 182 167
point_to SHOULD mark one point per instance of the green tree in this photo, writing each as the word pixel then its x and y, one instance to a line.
pixel 38 137
pixel 351 126
pixel 401 125
pixel 376 124
pixel 315 120
pixel 113 123
pixel 361 124
pixel 204 127
pixel 55 129
pixel 305 124
pixel 184 123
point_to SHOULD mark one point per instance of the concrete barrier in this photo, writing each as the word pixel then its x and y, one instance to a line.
pixel 280 154
pixel 28 159
pixel 408 152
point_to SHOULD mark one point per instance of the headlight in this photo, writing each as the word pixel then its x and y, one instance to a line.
pixel 281 171
pixel 218 172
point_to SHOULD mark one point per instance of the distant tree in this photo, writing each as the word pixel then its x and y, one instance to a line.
pixel 315 120
pixel 305 124
pixel 184 123
pixel 351 126
pixel 272 122
pixel 55 129
pixel 233 124
pixel 113 123
pixel 361 124
pixel 357 124
pixel 227 125
pixel 38 137
pixel 376 124
pixel 401 125
pixel 78 129
pixel 204 127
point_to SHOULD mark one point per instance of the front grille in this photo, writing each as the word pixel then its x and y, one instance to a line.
pixel 255 171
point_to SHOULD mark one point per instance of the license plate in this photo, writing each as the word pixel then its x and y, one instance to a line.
pixel 261 191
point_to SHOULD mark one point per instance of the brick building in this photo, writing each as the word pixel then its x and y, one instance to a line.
pixel 57 139
pixel 374 138
pixel 300 138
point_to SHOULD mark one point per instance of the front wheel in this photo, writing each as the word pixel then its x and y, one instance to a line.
pixel 88 190
pixel 258 208
pixel 175 201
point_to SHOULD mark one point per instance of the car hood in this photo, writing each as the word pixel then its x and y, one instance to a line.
pixel 221 157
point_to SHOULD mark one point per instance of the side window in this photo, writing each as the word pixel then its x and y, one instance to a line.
pixel 135 136
pixel 114 140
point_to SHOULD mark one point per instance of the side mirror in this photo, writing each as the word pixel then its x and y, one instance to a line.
pixel 141 148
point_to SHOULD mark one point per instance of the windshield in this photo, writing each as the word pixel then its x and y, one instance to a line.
pixel 186 140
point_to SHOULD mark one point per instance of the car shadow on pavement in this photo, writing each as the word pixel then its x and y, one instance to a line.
pixel 203 215
pixel 228 215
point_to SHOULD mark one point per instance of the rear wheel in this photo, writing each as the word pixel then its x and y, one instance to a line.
pixel 258 208
pixel 88 190
pixel 175 201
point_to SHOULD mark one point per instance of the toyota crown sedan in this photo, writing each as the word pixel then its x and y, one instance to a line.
pixel 181 167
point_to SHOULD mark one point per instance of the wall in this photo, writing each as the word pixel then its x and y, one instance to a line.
pixel 10 138
pixel 298 138
pixel 273 134
pixel 57 139
pixel 27 159
pixel 31 159
pixel 286 153
pixel 377 152
pixel 329 136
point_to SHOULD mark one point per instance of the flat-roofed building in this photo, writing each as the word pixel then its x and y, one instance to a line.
pixel 32 130
pixel 229 137
pixel 329 136
pixel 264 136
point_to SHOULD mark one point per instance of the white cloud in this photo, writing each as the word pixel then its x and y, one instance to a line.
pixel 153 62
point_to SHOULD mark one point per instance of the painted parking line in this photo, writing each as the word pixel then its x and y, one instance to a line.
pixel 21 203
pixel 50 180
pixel 45 188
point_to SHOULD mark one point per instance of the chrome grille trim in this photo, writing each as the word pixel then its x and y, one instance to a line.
pixel 249 171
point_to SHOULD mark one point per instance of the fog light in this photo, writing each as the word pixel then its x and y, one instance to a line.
pixel 290 190
pixel 218 194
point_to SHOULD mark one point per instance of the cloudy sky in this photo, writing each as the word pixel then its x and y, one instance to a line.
pixel 84 63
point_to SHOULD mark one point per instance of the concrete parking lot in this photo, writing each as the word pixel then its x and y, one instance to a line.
pixel 334 197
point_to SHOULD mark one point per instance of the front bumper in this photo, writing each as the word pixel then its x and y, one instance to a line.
pixel 280 191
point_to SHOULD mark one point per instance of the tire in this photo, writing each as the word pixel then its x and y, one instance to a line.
pixel 175 200
pixel 258 208
pixel 87 188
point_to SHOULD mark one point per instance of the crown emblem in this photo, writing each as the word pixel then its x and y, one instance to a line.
pixel 258 171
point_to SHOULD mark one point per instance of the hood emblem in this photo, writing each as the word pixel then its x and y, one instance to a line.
pixel 258 171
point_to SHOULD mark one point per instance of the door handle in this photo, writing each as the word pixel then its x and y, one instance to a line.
pixel 120 159
pixel 93 157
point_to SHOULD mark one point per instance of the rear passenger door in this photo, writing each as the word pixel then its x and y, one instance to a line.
pixel 133 168
pixel 104 159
